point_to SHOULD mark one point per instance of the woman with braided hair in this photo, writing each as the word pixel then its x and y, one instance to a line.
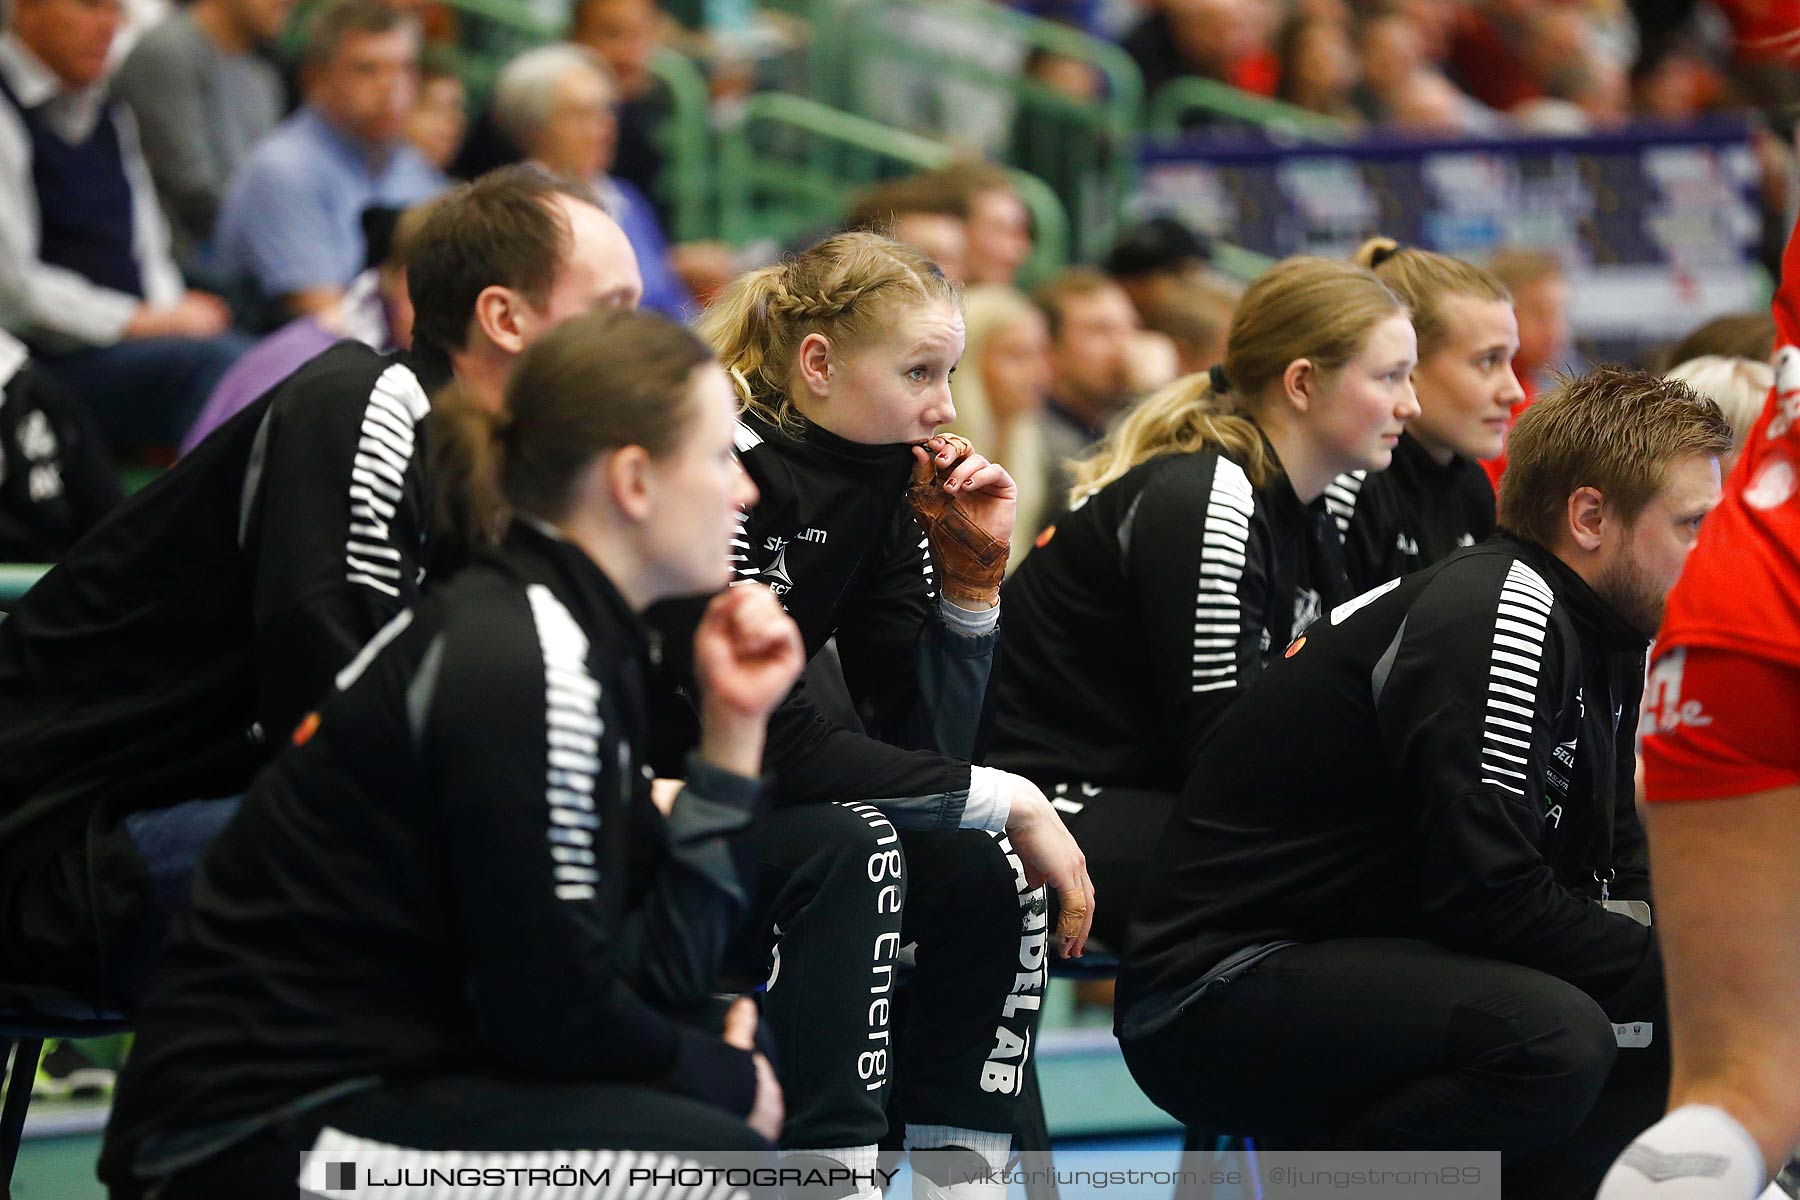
pixel 1435 497
pixel 876 531
pixel 1197 545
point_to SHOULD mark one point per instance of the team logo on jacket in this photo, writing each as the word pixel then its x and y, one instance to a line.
pixel 777 576
pixel 776 573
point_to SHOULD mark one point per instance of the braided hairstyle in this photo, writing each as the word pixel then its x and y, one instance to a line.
pixel 848 288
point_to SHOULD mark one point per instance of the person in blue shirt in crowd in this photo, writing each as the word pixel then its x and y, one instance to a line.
pixel 289 238
pixel 557 104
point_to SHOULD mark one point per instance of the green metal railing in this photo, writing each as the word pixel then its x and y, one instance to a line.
pixel 16 579
pixel 789 165
pixel 785 164
pixel 685 138
pixel 1176 100
pixel 496 30
pixel 1087 152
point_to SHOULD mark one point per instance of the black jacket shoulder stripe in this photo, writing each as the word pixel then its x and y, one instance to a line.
pixel 572 735
pixel 1522 616
pixel 384 453
pixel 13 357
pixel 1341 495
pixel 740 544
pixel 1224 540
pixel 747 438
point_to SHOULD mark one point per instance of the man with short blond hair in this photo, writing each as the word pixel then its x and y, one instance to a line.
pixel 1402 903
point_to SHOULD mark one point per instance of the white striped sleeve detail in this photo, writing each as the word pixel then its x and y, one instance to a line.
pixel 1224 542
pixel 1523 617
pixel 384 454
pixel 1341 495
pixel 746 437
pixel 572 746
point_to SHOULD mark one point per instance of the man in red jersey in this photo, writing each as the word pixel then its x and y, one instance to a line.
pixel 1722 774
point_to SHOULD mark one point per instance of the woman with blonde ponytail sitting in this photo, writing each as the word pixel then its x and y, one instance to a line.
pixel 1198 545
pixel 876 530
pixel 1435 497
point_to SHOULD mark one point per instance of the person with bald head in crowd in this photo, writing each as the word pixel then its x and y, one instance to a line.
pixel 557 105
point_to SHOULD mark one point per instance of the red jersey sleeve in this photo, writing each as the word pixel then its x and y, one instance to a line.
pixel 1740 589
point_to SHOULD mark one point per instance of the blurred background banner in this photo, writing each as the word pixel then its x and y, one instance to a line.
pixel 1656 227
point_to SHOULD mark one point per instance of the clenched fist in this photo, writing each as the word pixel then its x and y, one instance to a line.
pixel 747 654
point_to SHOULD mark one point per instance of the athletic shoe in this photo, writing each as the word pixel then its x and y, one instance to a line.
pixel 65 1073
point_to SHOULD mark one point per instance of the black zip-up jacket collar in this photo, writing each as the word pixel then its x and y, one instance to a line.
pixel 1600 623
pixel 1412 514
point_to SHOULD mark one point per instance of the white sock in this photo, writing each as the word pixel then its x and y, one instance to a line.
pixel 996 1148
pixel 1697 1152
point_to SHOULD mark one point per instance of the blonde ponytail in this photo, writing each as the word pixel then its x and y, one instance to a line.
pixel 1185 416
pixel 1318 309
pixel 737 327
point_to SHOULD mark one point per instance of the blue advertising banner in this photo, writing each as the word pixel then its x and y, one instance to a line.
pixel 1656 226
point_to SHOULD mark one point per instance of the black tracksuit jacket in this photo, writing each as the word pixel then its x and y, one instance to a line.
pixel 1411 515
pixel 833 537
pixel 1131 631
pixel 1448 757
pixel 184 636
pixel 56 478
pixel 458 870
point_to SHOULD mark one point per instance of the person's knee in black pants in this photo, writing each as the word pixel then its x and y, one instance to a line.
pixel 840 892
pixel 1367 1044
pixel 983 937
pixel 824 929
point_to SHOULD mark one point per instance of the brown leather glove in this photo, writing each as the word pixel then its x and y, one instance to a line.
pixel 971 561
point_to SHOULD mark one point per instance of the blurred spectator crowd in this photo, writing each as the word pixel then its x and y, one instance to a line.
pixel 197 197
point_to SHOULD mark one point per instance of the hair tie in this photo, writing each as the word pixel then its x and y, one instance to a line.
pixel 1220 384
pixel 1382 255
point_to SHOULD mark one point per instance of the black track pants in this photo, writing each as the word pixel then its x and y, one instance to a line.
pixel 475 1121
pixel 1117 829
pixel 1385 1043
pixel 839 892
